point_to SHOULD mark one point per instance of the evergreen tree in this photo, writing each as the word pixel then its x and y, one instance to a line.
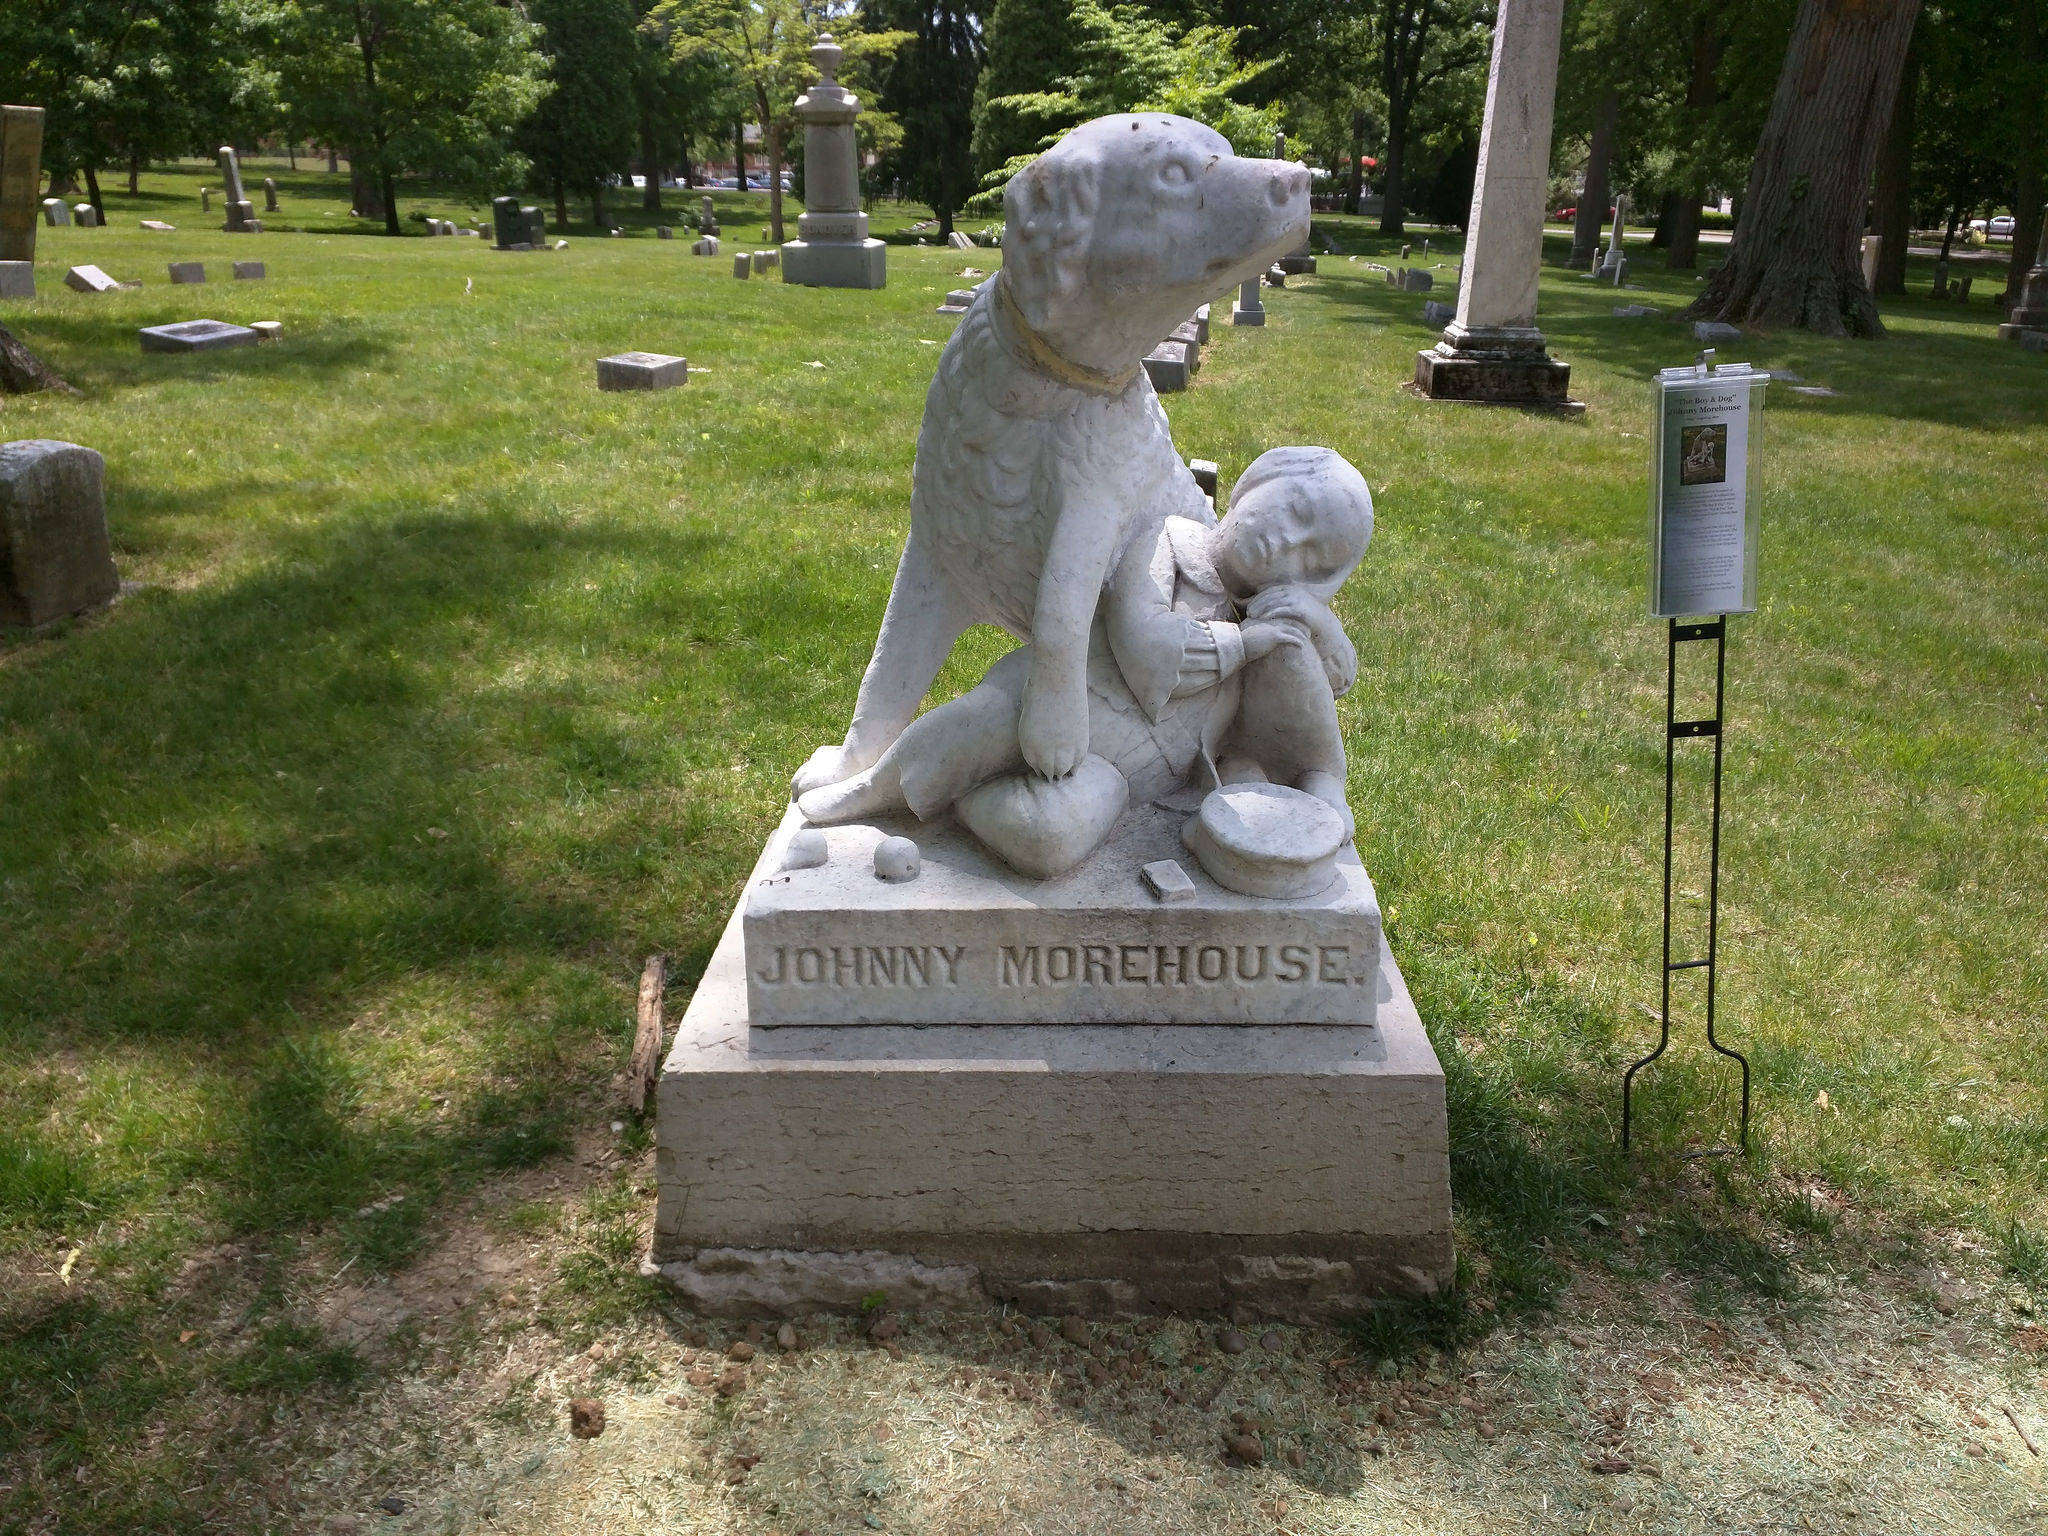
pixel 929 88
pixel 1032 46
pixel 584 131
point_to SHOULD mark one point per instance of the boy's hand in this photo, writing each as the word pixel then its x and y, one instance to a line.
pixel 1262 637
pixel 1295 604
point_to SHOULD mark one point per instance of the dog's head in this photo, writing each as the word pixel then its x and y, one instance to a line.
pixel 1113 236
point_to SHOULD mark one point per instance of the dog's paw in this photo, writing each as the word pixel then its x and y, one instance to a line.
pixel 827 765
pixel 1052 729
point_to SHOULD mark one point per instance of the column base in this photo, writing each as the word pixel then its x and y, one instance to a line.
pixel 1504 366
pixel 822 264
pixel 1247 316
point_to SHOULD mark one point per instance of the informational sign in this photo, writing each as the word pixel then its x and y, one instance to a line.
pixel 1705 485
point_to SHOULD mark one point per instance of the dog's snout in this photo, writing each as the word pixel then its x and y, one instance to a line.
pixel 1287 185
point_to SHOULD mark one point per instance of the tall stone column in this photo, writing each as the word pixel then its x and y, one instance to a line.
pixel 21 177
pixel 241 212
pixel 21 172
pixel 832 248
pixel 1492 351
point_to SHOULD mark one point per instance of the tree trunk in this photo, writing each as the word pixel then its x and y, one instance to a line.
pixel 134 171
pixel 1891 215
pixel 291 154
pixel 689 168
pixel 650 164
pixel 945 224
pixel 739 155
pixel 597 206
pixel 561 205
pixel 1356 187
pixel 774 184
pixel 1594 199
pixel 387 185
pixel 22 372
pixel 1702 94
pixel 1390 183
pixel 333 161
pixel 1796 257
pixel 92 193
pixel 365 193
pixel 1667 215
pixel 2028 151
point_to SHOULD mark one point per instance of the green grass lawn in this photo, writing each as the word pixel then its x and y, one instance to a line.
pixel 450 688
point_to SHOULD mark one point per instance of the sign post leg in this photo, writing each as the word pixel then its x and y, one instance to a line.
pixel 1715 630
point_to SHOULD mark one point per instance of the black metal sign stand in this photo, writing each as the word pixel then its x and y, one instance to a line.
pixel 1715 630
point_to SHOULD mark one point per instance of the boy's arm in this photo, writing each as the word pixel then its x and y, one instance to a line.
pixel 1163 654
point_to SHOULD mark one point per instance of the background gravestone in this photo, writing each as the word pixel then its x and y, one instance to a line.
pixel 506 230
pixel 269 194
pixel 55 559
pixel 21 169
pixel 241 212
pixel 832 248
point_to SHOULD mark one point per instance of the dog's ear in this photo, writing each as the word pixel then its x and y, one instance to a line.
pixel 1048 211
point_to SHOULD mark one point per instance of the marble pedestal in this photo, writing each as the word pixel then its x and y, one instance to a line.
pixel 1288 1170
pixel 835 263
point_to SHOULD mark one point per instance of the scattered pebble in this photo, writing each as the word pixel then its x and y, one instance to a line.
pixel 1245 1448
pixel 1231 1342
pixel 1074 1329
pixel 1041 1336
pixel 392 1505
pixel 733 1382
pixel 586 1418
pixel 1271 1342
pixel 1295 1457
pixel 785 1338
pixel 740 1350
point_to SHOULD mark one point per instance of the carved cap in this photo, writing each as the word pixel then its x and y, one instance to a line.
pixel 826 54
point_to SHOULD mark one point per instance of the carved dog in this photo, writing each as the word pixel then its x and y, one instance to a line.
pixel 1044 452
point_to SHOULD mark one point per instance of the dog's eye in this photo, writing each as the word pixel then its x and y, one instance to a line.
pixel 1174 172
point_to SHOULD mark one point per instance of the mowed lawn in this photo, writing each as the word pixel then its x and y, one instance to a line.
pixel 450 688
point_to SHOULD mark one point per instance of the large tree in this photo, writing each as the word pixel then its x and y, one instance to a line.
pixel 125 81
pixel 582 133
pixel 929 89
pixel 1794 259
pixel 427 87
pixel 1420 43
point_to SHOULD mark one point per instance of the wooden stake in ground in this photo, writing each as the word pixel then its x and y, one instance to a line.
pixel 21 371
pixel 1796 257
pixel 646 1065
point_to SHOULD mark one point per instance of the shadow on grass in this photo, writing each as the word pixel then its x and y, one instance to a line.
pixel 101 355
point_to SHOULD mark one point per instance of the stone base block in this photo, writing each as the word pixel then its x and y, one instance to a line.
pixel 17 279
pixel 196 336
pixel 1298 263
pixel 55 559
pixel 1540 381
pixel 1167 366
pixel 2033 338
pixel 818 264
pixel 188 271
pixel 641 370
pixel 1241 316
pixel 1294 1172
pixel 970 942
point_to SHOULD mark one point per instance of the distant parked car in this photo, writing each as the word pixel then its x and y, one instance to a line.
pixel 2002 227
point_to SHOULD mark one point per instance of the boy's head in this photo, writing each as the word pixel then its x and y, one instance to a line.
pixel 1298 517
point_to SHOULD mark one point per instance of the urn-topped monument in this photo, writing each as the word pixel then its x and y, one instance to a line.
pixel 1072 991
pixel 832 248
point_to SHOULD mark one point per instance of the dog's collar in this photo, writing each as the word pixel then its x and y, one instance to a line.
pixel 1039 353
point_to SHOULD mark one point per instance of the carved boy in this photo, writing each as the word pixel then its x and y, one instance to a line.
pixel 1215 643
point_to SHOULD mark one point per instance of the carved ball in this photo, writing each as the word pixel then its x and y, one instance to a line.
pixel 896 860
